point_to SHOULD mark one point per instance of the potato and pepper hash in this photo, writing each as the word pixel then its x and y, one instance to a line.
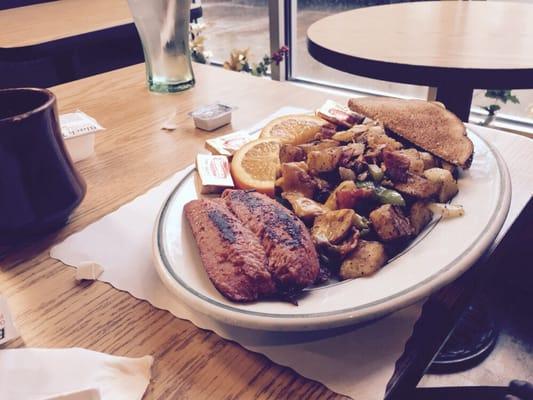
pixel 363 193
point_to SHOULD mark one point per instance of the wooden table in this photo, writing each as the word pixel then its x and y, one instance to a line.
pixel 132 155
pixel 55 20
pixel 66 40
pixel 455 46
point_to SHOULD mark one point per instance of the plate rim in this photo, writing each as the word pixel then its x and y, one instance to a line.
pixel 346 316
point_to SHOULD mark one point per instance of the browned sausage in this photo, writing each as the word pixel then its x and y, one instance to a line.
pixel 233 258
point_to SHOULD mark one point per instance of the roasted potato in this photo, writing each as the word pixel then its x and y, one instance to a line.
pixel 351 134
pixel 390 223
pixel 417 186
pixel 445 182
pixel 376 138
pixel 416 162
pixel 396 165
pixel 366 259
pixel 428 159
pixel 420 215
pixel 351 198
pixel 325 160
pixel 291 153
pixel 448 167
pixel 319 145
pixel 346 174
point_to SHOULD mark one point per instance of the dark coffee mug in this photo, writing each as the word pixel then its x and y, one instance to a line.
pixel 39 186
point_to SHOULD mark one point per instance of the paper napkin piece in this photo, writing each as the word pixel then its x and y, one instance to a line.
pixel 75 374
pixel 170 123
pixel 8 331
pixel 88 271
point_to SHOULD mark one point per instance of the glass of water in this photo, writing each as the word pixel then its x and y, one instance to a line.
pixel 163 26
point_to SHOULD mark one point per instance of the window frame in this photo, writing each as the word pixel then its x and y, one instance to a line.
pixel 282 24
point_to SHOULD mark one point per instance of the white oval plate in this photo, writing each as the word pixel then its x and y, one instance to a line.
pixel 440 254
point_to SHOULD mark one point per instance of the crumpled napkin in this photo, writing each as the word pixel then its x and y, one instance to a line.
pixel 73 374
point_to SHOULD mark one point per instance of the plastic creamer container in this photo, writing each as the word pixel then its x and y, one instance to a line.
pixel 78 130
pixel 212 116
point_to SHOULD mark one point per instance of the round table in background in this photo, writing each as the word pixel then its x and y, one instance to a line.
pixel 453 46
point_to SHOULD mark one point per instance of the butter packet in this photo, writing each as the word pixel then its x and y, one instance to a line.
pixel 228 144
pixel 8 331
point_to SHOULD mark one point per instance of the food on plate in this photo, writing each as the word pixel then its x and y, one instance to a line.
pixel 422 123
pixel 335 232
pixel 333 226
pixel 363 184
pixel 416 186
pixel 295 129
pixel 319 145
pixel 419 215
pixel 346 194
pixel 351 134
pixel 367 258
pixel 232 256
pixel 304 208
pixel 290 153
pixel 291 255
pixel 444 179
pixel 256 164
pixel 447 210
pixel 296 178
pixel 390 223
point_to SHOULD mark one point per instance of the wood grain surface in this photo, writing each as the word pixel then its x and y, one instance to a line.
pixel 44 22
pixel 30 25
pixel 132 155
pixel 478 43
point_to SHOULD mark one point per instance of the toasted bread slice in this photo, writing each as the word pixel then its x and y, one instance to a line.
pixel 425 124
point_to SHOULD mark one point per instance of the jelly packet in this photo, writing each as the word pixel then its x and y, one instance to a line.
pixel 213 173
pixel 339 115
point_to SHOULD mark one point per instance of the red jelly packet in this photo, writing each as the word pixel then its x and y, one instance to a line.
pixel 7 328
pixel 214 173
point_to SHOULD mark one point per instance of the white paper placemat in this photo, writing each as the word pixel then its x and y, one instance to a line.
pixel 357 363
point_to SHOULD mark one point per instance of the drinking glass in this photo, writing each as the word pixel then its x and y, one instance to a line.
pixel 163 26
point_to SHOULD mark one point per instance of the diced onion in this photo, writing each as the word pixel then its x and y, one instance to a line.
pixel 447 210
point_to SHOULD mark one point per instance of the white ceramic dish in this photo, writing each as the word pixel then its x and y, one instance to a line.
pixel 440 254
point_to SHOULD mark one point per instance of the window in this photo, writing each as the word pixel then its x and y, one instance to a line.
pixel 306 68
pixel 236 24
pixel 240 24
